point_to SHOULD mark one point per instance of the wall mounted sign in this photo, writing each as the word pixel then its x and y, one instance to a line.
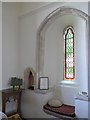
pixel 43 83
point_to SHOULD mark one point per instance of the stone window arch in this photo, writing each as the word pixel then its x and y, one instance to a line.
pixel 59 12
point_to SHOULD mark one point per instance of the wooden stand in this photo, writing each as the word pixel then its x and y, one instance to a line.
pixel 7 94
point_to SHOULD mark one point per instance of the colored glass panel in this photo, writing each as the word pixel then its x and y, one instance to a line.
pixel 69 68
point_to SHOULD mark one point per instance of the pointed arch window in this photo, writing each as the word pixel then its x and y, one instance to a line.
pixel 69 65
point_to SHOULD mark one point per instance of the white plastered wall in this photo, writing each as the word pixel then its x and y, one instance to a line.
pixel 10 41
pixel 54 57
pixel 29 24
pixel 0 54
pixel 14 62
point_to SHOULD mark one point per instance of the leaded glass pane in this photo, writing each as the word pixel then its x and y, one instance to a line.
pixel 69 71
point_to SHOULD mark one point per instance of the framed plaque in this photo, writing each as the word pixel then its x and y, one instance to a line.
pixel 43 83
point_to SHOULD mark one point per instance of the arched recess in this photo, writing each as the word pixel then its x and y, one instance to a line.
pixel 59 12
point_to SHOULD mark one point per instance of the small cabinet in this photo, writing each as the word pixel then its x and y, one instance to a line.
pixel 11 101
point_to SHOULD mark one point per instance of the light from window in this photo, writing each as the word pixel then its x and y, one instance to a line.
pixel 69 66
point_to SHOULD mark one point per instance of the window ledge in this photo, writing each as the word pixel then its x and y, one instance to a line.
pixel 68 83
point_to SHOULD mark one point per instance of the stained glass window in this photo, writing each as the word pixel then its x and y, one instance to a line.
pixel 69 66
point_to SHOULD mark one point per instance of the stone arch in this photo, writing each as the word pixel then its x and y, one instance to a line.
pixel 59 12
